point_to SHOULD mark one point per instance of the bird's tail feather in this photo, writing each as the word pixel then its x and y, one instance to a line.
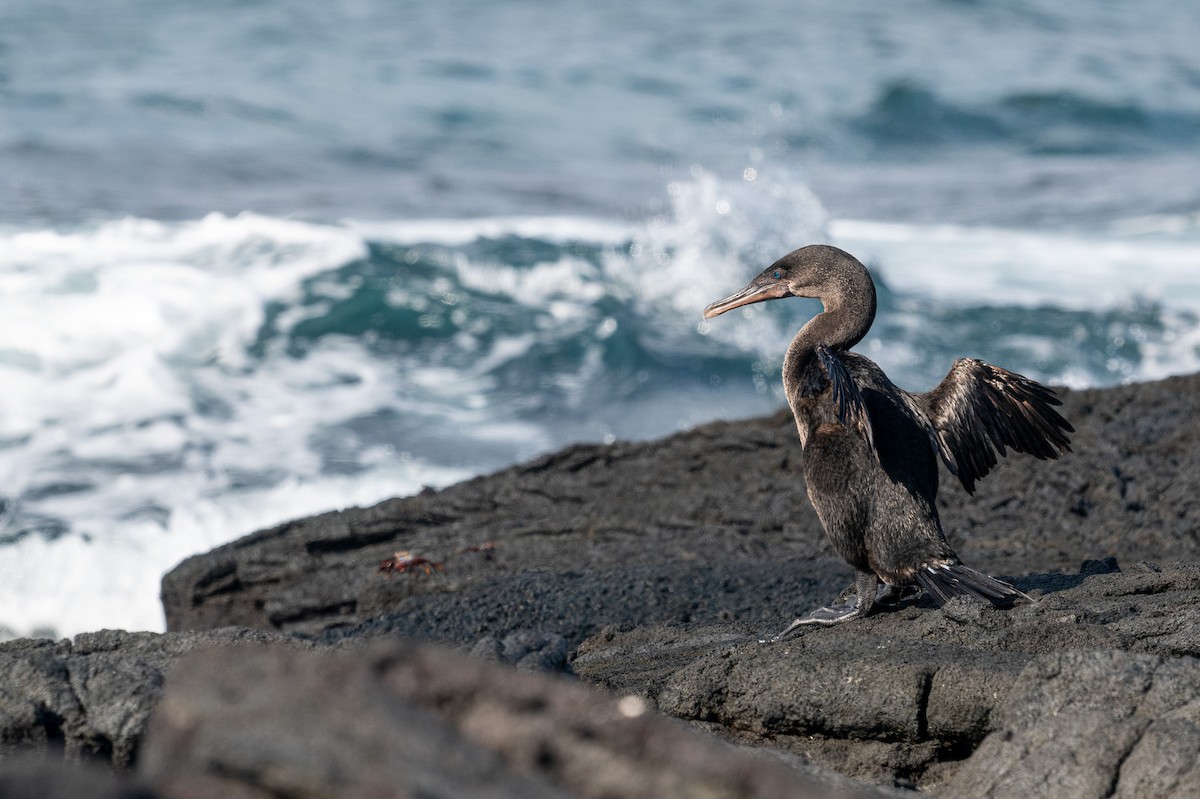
pixel 946 580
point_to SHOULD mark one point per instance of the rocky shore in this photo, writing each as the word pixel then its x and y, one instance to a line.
pixel 589 625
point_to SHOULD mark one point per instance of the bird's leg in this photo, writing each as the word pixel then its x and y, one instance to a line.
pixel 894 594
pixel 864 598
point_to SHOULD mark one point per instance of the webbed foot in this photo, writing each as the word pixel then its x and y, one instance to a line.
pixel 859 605
pixel 826 615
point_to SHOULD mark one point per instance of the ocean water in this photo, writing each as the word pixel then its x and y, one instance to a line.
pixel 260 260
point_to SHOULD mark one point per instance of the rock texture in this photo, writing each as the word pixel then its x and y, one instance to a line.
pixel 706 525
pixel 649 572
pixel 248 714
pixel 1048 699
pixel 90 698
pixel 397 719
pixel 25 776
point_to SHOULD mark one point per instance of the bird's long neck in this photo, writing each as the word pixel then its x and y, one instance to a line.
pixel 846 319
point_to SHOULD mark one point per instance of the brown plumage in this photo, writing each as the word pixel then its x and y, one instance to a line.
pixel 871 448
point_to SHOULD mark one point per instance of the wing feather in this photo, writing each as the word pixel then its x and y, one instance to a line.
pixel 847 398
pixel 980 411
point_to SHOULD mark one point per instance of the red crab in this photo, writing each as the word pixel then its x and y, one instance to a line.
pixel 405 560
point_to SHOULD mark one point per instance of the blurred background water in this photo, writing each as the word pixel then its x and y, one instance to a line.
pixel 262 259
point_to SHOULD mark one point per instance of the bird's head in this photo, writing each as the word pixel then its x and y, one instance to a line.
pixel 818 271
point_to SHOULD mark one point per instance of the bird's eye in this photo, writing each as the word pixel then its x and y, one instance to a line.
pixel 778 274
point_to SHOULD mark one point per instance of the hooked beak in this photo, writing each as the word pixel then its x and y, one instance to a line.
pixel 755 292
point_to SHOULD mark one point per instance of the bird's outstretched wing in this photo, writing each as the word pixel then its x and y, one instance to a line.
pixel 980 409
pixel 847 399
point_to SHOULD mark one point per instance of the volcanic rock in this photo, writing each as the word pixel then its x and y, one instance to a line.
pixel 708 525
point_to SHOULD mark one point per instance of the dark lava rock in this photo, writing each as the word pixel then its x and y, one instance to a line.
pixel 242 713
pixel 1053 698
pixel 397 719
pixel 672 531
pixel 1093 724
pixel 90 698
pixel 25 776
pixel 708 525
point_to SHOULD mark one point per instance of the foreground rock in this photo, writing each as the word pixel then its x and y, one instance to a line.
pixel 1091 691
pixel 89 699
pixel 239 713
pixel 400 720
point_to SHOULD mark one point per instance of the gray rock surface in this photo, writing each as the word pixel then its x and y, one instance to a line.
pixel 242 713
pixel 90 697
pixel 26 776
pixel 398 719
pixel 1048 699
pixel 1093 724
